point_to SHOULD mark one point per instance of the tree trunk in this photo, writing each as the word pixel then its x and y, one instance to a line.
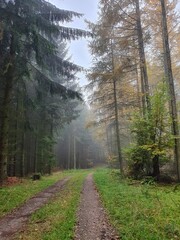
pixel 141 103
pixel 22 170
pixel 143 97
pixel 69 152
pixel 117 128
pixel 156 170
pixel 74 152
pixel 170 83
pixel 143 67
pixel 16 138
pixel 4 123
pixel 35 154
pixel 116 114
pixel 8 77
pixel 4 132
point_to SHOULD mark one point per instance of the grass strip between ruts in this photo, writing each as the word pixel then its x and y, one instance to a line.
pixel 56 220
pixel 12 197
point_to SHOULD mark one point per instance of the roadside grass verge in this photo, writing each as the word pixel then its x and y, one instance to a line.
pixel 138 211
pixel 56 220
pixel 13 196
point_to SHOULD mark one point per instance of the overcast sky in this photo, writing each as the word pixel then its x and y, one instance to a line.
pixel 79 49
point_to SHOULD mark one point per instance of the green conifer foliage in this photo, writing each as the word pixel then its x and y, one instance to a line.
pixel 31 67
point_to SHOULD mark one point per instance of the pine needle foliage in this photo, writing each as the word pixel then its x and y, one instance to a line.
pixel 33 70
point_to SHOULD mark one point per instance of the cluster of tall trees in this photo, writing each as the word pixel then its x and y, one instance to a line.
pixel 79 145
pixel 38 89
pixel 135 70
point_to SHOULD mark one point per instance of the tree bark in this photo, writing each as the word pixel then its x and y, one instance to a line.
pixel 141 101
pixel 22 170
pixel 4 130
pixel 143 66
pixel 170 83
pixel 117 127
pixel 116 113
pixel 156 169
pixel 74 152
pixel 69 152
pixel 8 77
pixel 35 155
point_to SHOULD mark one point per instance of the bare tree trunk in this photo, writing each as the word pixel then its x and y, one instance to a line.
pixel 16 138
pixel 116 114
pixel 74 152
pixel 35 154
pixel 50 163
pixel 8 77
pixel 107 139
pixel 4 133
pixel 140 90
pixel 117 127
pixel 156 169
pixel 143 97
pixel 170 83
pixel 143 67
pixel 69 152
pixel 22 170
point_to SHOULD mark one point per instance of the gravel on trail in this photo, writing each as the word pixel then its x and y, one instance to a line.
pixel 92 220
pixel 15 221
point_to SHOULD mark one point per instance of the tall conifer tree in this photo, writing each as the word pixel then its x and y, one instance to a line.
pixel 29 50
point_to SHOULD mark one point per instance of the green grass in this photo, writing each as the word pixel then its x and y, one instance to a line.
pixel 13 196
pixel 140 212
pixel 56 220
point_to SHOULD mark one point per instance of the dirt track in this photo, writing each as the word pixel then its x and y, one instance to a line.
pixel 92 221
pixel 14 222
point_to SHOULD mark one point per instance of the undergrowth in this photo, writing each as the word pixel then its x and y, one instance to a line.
pixel 140 211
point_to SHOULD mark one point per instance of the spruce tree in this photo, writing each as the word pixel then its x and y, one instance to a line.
pixel 30 30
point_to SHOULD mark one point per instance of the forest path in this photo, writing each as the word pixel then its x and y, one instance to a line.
pixel 14 222
pixel 92 221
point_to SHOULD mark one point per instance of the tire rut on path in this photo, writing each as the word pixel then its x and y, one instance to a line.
pixel 92 220
pixel 15 221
